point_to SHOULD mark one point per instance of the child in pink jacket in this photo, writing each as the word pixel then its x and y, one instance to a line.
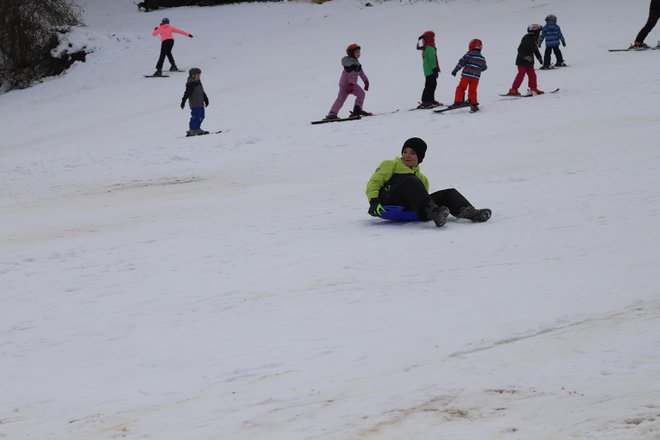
pixel 348 84
pixel 167 43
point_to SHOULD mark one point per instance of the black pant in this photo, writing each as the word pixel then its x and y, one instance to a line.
pixel 428 95
pixel 548 54
pixel 166 51
pixel 654 14
pixel 410 192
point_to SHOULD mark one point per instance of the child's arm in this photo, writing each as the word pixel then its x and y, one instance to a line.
pixel 459 65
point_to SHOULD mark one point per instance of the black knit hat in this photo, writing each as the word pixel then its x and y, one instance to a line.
pixel 418 145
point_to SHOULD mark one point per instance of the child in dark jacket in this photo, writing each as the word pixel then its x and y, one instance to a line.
pixel 527 50
pixel 472 63
pixel 552 35
pixel 197 100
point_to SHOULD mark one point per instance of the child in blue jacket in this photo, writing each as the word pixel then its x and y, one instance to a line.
pixel 551 32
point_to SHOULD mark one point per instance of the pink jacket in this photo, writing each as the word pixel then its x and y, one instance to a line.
pixel 166 31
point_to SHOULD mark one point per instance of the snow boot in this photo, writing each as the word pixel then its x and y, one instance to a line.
pixel 560 64
pixel 331 117
pixel 474 108
pixel 425 105
pixel 640 45
pixel 513 92
pixel 437 213
pixel 476 215
pixel 158 73
pixel 535 91
pixel 357 111
pixel 545 67
pixel 173 68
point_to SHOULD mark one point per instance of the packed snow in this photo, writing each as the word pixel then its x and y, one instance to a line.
pixel 232 286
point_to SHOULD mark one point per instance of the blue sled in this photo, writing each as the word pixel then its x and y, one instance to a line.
pixel 398 213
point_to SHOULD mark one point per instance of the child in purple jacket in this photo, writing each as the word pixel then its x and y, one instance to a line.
pixel 348 84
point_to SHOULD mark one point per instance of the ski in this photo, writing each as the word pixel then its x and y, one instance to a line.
pixel 156 76
pixel 210 132
pixel 427 108
pixel 383 113
pixel 452 107
pixel 632 48
pixel 324 121
pixel 529 95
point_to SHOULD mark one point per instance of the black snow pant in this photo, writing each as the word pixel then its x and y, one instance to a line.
pixel 654 14
pixel 166 51
pixel 410 192
pixel 428 95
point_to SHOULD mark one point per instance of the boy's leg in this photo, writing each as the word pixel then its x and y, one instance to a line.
pixel 546 56
pixel 558 54
pixel 531 77
pixel 409 192
pixel 430 84
pixel 450 198
pixel 519 78
pixel 196 118
pixel 473 83
pixel 460 90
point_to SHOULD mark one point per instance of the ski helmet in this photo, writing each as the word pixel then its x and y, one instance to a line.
pixel 194 71
pixel 475 44
pixel 165 20
pixel 351 48
pixel 534 28
pixel 551 18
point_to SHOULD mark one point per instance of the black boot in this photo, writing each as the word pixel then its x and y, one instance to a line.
pixel 476 215
pixel 436 213
pixel 357 111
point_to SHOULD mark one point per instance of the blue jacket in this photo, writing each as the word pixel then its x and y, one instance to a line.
pixel 552 34
pixel 472 63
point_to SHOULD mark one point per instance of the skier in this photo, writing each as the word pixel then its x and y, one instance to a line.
pixel 654 14
pixel 472 63
pixel 400 182
pixel 167 42
pixel 197 101
pixel 348 84
pixel 527 50
pixel 551 32
pixel 426 44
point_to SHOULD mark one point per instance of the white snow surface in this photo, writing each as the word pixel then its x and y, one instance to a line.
pixel 232 286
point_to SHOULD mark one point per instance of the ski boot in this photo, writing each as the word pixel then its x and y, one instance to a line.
pixel 474 107
pixel 357 111
pixel 437 104
pixel 332 116
pixel 425 105
pixel 560 64
pixel 173 68
pixel 476 215
pixel 158 73
pixel 545 67
pixel 639 45
pixel 513 92
pixel 436 213
pixel 535 91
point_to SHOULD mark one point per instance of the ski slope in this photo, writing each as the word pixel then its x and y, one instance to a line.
pixel 232 286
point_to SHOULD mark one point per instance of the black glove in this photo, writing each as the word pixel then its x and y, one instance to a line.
pixel 563 44
pixel 156 28
pixel 190 35
pixel 206 101
pixel 375 208
pixel 453 73
pixel 183 103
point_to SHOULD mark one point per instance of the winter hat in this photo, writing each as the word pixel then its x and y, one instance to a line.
pixel 475 44
pixel 429 38
pixel 165 20
pixel 418 145
pixel 194 71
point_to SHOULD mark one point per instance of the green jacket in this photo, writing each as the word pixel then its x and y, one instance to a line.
pixel 388 171
pixel 430 60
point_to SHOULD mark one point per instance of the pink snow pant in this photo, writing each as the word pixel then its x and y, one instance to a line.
pixel 531 77
pixel 343 94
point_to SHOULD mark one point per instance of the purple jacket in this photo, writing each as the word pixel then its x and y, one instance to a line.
pixel 352 70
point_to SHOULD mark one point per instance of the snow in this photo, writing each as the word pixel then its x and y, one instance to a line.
pixel 232 286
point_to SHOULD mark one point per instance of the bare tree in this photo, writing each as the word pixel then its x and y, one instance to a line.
pixel 29 29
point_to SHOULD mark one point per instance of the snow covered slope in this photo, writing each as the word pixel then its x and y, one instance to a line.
pixel 233 286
